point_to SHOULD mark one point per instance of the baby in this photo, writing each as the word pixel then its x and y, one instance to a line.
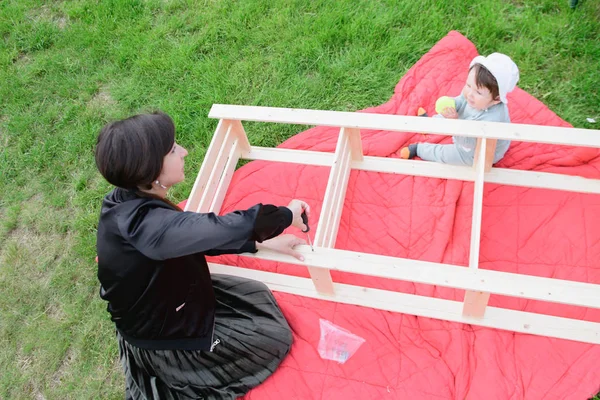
pixel 483 98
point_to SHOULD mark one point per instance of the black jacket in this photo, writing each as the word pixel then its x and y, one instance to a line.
pixel 152 268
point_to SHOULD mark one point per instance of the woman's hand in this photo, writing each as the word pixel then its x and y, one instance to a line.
pixel 450 113
pixel 283 244
pixel 298 207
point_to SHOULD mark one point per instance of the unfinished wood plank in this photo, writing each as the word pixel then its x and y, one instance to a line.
pixel 329 220
pixel 322 281
pixel 304 157
pixel 339 177
pixel 338 205
pixel 207 165
pixel 225 179
pixel 240 132
pixel 477 206
pixel 208 194
pixel 400 123
pixel 499 318
pixel 415 168
pixel 543 180
pixel 446 275
pixel 475 302
pixel 490 149
pixel 502 176
pixel 328 207
pixel 355 143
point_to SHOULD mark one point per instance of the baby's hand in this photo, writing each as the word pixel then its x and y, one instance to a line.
pixel 450 113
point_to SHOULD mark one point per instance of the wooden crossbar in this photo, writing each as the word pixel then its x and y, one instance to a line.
pixel 402 123
pixel 446 275
pixel 431 307
pixel 230 143
pixel 502 176
pixel 475 302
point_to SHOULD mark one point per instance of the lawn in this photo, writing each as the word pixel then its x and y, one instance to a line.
pixel 68 67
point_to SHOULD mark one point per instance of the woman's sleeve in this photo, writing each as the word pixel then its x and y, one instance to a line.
pixel 162 233
pixel 248 247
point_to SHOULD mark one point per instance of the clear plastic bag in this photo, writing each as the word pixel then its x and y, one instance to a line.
pixel 337 344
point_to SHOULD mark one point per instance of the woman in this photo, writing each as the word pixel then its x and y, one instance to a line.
pixel 182 332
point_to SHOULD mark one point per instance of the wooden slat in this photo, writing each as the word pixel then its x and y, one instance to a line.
pixel 490 149
pixel 240 132
pixel 400 123
pixel 502 176
pixel 329 219
pixel 511 320
pixel 304 157
pixel 477 206
pixel 543 180
pixel 321 279
pixel 327 209
pixel 355 143
pixel 225 180
pixel 210 189
pixel 338 205
pixel 207 166
pixel 415 168
pixel 475 302
pixel 339 177
pixel 369 163
pixel 503 283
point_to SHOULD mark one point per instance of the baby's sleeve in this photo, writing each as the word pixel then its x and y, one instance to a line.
pixel 496 114
pixel 460 102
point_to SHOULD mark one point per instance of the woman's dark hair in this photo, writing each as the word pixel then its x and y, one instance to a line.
pixel 130 152
pixel 484 78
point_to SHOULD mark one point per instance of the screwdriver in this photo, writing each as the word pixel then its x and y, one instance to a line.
pixel 305 220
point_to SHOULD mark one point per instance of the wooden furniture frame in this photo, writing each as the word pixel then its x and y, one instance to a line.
pixel 230 144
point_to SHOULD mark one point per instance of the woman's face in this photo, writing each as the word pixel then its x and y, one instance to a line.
pixel 172 170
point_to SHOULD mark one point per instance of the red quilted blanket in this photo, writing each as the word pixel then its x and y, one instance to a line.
pixel 530 231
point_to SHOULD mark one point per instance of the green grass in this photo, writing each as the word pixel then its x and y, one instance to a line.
pixel 68 67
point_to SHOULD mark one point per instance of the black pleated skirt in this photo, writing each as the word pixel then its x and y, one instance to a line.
pixel 251 339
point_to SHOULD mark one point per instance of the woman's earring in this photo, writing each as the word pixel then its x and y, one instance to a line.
pixel 159 184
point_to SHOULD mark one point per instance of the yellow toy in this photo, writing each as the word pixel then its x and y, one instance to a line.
pixel 444 102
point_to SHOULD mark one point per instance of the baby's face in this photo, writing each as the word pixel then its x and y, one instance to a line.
pixel 479 98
